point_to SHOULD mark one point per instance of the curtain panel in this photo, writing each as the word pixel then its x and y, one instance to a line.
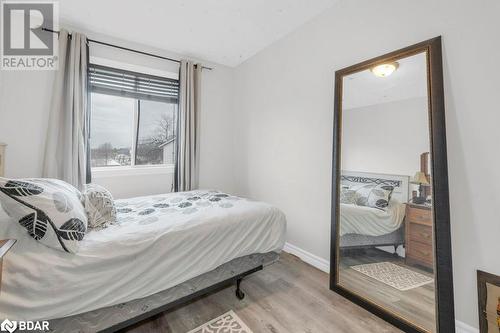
pixel 188 136
pixel 67 148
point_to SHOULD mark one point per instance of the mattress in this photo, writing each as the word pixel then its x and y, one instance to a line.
pixel 370 221
pixel 112 318
pixel 157 243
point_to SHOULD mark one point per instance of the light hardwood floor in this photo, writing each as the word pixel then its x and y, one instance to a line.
pixel 287 297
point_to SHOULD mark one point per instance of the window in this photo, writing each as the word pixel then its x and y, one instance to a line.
pixel 156 133
pixel 112 130
pixel 133 118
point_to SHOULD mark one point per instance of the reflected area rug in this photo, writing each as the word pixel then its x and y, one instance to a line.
pixel 394 275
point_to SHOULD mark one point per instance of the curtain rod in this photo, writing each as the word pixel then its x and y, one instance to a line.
pixel 127 49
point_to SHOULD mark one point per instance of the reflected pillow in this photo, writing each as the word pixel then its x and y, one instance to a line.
pixel 347 196
pixel 375 196
pixel 49 209
pixel 99 206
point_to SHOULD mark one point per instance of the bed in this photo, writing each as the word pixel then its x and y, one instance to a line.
pixel 163 251
pixel 364 227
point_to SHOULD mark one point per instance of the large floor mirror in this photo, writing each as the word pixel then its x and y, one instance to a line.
pixel 391 250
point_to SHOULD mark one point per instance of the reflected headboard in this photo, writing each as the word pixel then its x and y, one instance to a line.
pixel 401 183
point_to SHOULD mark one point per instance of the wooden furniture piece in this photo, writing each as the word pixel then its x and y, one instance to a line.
pixel 5 246
pixel 419 235
pixel 2 159
pixel 488 304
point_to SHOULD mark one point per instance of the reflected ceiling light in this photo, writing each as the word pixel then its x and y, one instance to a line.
pixel 384 70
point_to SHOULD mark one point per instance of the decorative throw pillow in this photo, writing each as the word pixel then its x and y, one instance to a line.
pixel 99 206
pixel 49 209
pixel 375 196
pixel 347 196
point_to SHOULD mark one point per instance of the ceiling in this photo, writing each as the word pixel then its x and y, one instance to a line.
pixel 222 31
pixel 408 81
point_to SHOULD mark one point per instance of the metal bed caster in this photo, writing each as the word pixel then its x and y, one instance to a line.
pixel 239 293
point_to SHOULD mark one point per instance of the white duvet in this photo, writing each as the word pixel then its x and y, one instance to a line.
pixel 159 242
pixel 370 221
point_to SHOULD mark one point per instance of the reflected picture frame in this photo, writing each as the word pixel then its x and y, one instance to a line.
pixel 445 317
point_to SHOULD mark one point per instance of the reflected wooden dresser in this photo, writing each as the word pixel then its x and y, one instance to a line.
pixel 419 235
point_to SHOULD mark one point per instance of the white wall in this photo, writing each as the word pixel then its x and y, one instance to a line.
pixel 284 117
pixel 385 138
pixel 137 182
pixel 24 109
pixel 217 132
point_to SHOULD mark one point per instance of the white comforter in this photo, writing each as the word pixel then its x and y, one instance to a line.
pixel 371 221
pixel 159 242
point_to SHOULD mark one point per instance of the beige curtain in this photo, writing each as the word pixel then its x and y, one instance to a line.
pixel 187 167
pixel 67 137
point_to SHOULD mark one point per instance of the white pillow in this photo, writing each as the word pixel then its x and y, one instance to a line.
pixel 49 209
pixel 99 206
pixel 347 195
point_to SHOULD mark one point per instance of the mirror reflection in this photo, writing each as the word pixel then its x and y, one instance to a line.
pixel 386 225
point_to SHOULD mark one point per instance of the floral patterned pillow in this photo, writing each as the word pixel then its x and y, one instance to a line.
pixel 99 206
pixel 49 209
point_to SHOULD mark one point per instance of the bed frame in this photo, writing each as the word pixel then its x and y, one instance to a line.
pixel 120 316
pixel 401 193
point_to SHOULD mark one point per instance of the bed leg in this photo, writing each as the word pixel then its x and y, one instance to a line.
pixel 239 294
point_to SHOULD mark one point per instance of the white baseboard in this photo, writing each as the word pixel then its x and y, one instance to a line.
pixel 462 327
pixel 311 259
pixel 324 265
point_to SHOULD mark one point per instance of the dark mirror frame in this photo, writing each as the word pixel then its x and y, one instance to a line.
pixel 445 318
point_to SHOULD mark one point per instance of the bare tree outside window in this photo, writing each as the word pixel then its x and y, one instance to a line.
pixel 156 134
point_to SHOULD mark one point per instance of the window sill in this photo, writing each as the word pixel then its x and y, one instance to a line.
pixel 120 171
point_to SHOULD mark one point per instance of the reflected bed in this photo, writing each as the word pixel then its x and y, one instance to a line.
pixel 364 227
